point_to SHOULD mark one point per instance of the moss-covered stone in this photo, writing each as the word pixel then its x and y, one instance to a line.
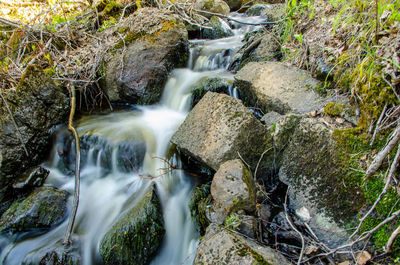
pixel 214 84
pixel 137 235
pixel 43 208
pixel 320 177
pixel 219 29
pixel 333 109
pixel 199 200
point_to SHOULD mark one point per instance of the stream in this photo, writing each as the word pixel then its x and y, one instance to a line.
pixel 118 149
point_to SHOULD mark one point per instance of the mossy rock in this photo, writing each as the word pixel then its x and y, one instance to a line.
pixel 42 209
pixel 214 84
pixel 137 235
pixel 219 29
pixel 199 200
pixel 320 178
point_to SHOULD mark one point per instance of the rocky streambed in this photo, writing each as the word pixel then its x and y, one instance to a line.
pixel 251 132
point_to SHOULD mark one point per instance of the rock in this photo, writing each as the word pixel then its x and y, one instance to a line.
pixel 213 6
pixel 137 235
pixel 44 208
pixel 268 50
pixel 199 200
pixel 34 177
pixel 220 29
pixel 218 128
pixel 247 225
pixel 363 257
pixel 234 4
pixel 317 172
pixel 274 11
pixel 156 43
pixel 338 110
pixel 38 105
pixel 214 84
pixel 270 118
pixel 233 189
pixel 256 10
pixel 265 211
pixel 263 86
pixel 57 254
pixel 220 246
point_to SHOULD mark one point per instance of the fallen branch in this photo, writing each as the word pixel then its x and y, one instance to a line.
pixel 390 242
pixel 72 216
pixel 238 21
pixel 385 189
pixel 384 152
pixel 294 228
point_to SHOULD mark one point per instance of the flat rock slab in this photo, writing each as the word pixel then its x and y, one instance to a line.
pixel 220 246
pixel 275 86
pixel 219 128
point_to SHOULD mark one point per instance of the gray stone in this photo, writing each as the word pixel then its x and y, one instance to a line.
pixel 275 11
pixel 137 235
pixel 151 53
pixel 43 208
pixel 268 49
pixel 270 118
pixel 219 128
pixel 34 177
pixel 317 172
pixel 214 84
pixel 213 6
pixel 256 10
pixel 233 189
pixel 220 246
pixel 37 105
pixel 234 4
pixel 274 86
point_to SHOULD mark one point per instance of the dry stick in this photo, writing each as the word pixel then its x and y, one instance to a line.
pixel 377 126
pixel 384 152
pixel 393 168
pixel 391 86
pixel 390 242
pixel 71 220
pixel 259 161
pixel 294 228
pixel 15 124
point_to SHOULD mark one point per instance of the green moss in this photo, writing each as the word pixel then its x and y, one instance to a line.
pixel 200 200
pixel 333 109
pixel 112 7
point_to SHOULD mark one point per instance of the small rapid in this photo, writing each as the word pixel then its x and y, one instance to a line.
pixel 119 153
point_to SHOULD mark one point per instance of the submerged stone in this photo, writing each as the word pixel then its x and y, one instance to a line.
pixel 43 208
pixel 221 128
pixel 137 235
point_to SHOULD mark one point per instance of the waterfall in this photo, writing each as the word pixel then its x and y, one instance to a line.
pixel 118 149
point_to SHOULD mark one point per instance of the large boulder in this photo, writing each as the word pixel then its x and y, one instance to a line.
pixel 274 86
pixel 37 105
pixel 221 128
pixel 212 6
pixel 43 208
pixel 220 246
pixel 137 235
pixel 233 189
pixel 155 42
pixel 321 183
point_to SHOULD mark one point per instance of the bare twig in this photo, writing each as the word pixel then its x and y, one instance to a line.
pixel 238 21
pixel 384 152
pixel 71 127
pixel 259 161
pixel 377 126
pixel 390 242
pixel 294 228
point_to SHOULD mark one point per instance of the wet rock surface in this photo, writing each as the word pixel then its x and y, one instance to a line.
pixel 38 105
pixel 220 246
pixel 153 49
pixel 137 235
pixel 218 128
pixel 220 29
pixel 213 84
pixel 42 209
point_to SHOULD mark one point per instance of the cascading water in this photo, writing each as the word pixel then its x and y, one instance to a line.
pixel 117 151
